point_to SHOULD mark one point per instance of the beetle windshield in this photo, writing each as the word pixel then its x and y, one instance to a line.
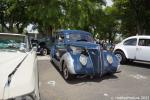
pixel 80 37
pixel 12 42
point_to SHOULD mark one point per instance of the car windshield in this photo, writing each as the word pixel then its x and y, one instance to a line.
pixel 11 42
pixel 80 37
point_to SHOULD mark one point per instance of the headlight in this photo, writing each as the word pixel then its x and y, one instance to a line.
pixel 83 59
pixel 76 49
pixel 109 59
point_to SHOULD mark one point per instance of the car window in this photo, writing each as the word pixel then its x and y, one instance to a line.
pixel 144 42
pixel 80 37
pixel 130 42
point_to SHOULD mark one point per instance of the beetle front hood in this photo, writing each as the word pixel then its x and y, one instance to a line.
pixel 8 62
pixel 88 45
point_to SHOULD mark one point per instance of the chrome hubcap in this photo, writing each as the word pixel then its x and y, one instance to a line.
pixel 119 57
pixel 65 73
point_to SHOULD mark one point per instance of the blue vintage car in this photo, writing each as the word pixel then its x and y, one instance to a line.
pixel 76 53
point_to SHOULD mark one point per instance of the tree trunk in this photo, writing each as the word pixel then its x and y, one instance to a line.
pixel 11 26
pixel 2 29
pixel 50 30
pixel 138 29
pixel 139 17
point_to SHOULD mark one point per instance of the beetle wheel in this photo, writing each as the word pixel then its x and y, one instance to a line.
pixel 121 57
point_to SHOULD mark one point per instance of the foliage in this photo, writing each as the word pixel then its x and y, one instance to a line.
pixel 13 15
pixel 127 17
pixel 65 14
pixel 110 24
pixel 134 16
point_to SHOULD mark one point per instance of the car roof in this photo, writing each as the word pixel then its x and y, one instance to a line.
pixel 141 36
pixel 138 36
pixel 73 32
pixel 14 34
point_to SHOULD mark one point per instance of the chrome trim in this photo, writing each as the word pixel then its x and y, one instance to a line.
pixel 101 60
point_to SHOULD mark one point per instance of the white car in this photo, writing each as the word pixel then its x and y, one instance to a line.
pixel 18 68
pixel 133 48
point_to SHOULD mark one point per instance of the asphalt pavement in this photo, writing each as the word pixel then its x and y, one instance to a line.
pixel 132 83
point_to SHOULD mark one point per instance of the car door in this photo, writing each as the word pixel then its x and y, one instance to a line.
pixel 130 47
pixel 143 50
pixel 60 46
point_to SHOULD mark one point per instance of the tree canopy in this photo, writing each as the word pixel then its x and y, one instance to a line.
pixel 134 16
pixel 126 17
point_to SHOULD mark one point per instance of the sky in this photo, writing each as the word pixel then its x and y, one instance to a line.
pixel 109 2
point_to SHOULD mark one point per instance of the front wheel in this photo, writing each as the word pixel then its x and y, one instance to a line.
pixel 44 52
pixel 66 73
pixel 120 56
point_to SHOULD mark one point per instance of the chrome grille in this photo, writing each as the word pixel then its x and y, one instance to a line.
pixel 95 57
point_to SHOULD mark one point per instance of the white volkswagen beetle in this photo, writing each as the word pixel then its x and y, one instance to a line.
pixel 18 68
pixel 133 48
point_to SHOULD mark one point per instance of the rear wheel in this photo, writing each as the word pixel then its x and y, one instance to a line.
pixel 66 73
pixel 121 57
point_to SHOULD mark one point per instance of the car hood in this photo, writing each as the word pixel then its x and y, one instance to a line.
pixel 88 45
pixel 8 62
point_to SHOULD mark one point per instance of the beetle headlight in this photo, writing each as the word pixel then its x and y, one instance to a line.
pixel 83 59
pixel 109 59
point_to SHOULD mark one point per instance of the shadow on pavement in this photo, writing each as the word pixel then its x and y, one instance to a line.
pixel 83 79
pixel 140 64
pixel 95 79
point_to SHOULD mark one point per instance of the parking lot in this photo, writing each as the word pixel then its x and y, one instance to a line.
pixel 132 83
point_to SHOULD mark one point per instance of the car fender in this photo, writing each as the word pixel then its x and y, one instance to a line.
pixel 67 58
pixel 110 67
pixel 25 75
pixel 52 52
pixel 121 48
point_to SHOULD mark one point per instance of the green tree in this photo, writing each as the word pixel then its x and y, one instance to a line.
pixel 109 26
pixel 13 15
pixel 134 16
pixel 64 14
